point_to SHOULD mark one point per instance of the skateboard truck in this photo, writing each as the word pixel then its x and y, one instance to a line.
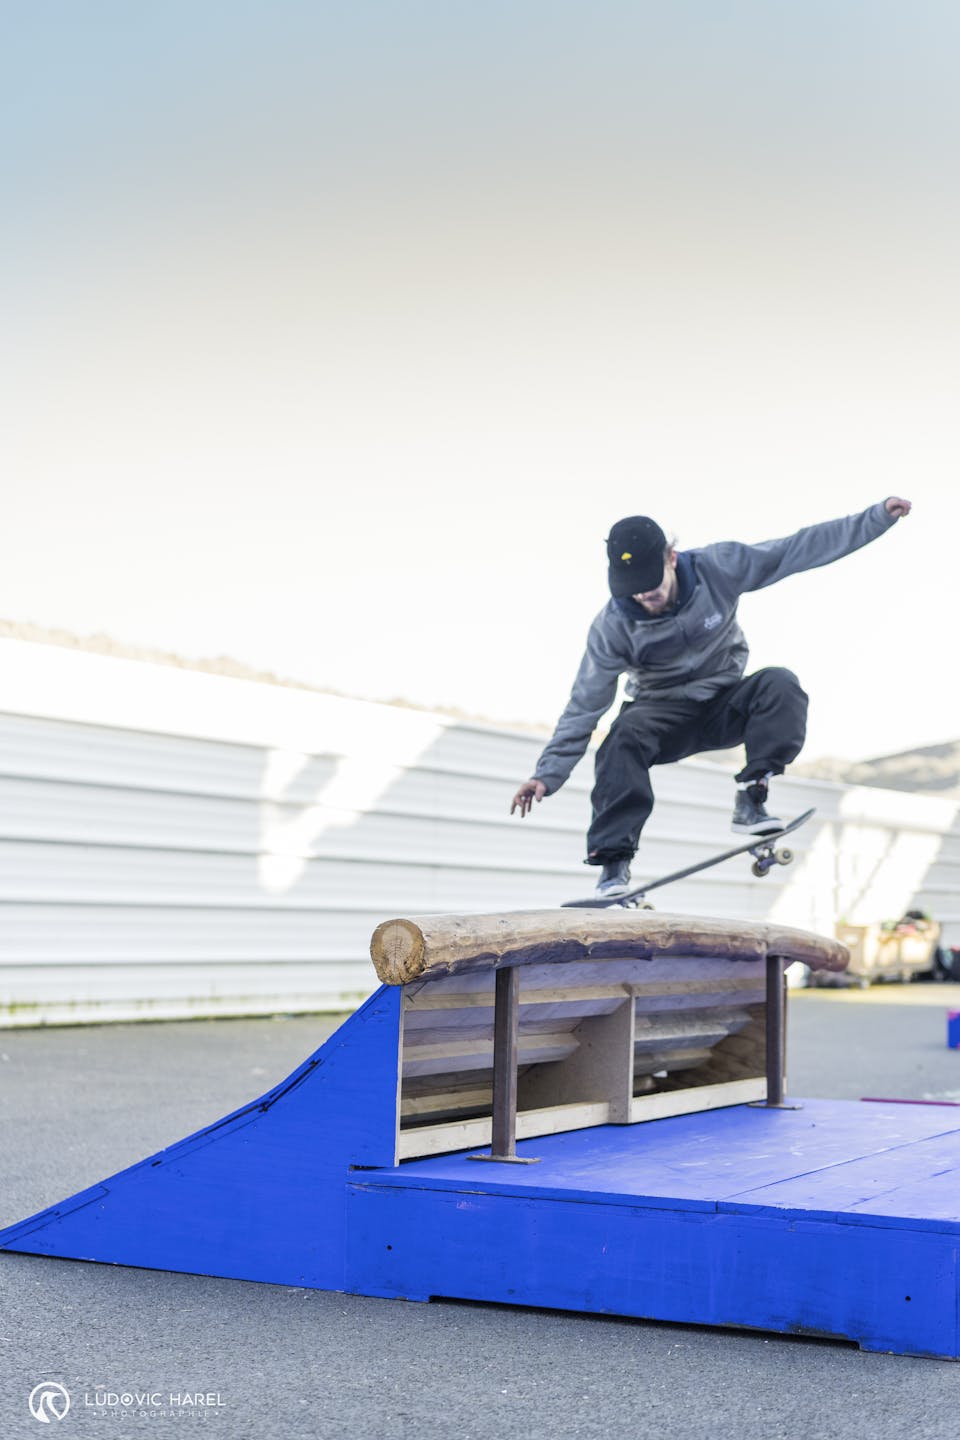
pixel 767 855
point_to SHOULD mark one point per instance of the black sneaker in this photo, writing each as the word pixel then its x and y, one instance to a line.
pixel 614 880
pixel 749 814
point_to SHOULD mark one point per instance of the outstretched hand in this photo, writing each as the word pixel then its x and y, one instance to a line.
pixel 897 507
pixel 529 791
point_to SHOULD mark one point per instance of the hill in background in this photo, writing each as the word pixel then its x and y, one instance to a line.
pixel 233 669
pixel 928 770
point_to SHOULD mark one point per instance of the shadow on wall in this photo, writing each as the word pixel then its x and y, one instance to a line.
pixel 405 812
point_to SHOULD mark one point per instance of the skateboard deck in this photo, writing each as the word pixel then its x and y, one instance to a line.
pixel 762 847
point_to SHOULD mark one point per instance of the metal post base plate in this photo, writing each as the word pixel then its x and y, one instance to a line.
pixel 508 1159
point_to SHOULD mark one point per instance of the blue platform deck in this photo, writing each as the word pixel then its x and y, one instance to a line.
pixel 889 1164
pixel 840 1218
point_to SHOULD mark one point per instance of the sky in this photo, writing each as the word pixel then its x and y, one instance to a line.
pixel 336 336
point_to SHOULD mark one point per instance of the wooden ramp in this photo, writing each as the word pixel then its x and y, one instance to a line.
pixel 622 1074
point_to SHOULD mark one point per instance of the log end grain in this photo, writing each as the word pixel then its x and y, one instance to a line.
pixel 398 951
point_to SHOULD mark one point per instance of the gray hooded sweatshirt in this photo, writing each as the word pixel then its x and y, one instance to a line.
pixel 697 650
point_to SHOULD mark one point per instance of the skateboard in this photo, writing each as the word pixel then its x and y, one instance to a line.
pixel 763 848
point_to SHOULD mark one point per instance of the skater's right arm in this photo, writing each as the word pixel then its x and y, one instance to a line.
pixel 594 691
pixel 529 791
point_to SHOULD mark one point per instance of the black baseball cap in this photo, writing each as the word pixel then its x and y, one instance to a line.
pixel 636 548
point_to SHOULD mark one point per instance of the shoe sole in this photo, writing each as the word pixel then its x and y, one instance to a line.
pixel 764 827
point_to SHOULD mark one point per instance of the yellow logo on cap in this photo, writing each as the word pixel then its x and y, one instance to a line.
pixel 626 555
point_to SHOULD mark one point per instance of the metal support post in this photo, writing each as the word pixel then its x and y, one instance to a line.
pixel 776 1036
pixel 506 1020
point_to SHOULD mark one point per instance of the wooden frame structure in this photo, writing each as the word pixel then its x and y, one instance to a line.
pixel 534 1023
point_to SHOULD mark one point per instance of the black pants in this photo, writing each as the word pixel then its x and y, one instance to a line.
pixel 767 712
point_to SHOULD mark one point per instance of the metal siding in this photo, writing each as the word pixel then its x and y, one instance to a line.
pixel 176 844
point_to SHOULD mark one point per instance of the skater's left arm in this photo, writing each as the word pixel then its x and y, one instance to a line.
pixel 752 567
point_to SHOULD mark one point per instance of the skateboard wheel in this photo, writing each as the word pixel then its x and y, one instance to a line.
pixel 761 867
pixel 784 857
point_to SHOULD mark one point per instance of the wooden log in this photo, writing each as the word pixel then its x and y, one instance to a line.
pixel 426 947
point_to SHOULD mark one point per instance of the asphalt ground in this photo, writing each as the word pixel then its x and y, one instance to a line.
pixel 78 1104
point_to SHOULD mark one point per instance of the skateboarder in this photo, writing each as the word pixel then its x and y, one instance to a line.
pixel 671 624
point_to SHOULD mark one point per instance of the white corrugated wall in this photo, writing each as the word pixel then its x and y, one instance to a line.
pixel 178 844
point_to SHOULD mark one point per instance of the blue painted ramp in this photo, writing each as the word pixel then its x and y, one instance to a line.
pixel 257 1195
pixel 839 1218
